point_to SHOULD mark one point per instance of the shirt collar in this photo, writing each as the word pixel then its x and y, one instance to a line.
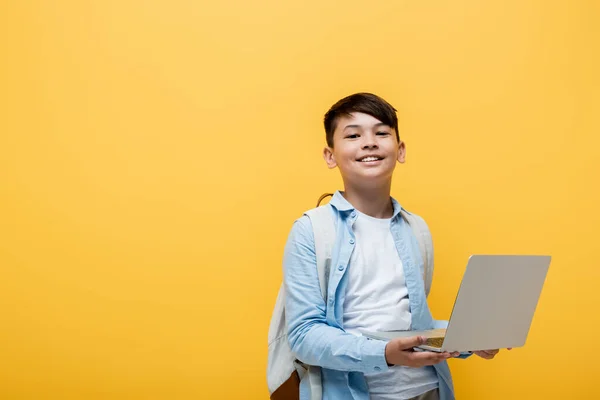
pixel 341 204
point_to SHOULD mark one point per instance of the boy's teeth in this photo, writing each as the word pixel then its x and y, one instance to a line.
pixel 369 159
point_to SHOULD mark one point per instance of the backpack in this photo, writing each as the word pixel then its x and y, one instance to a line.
pixel 284 370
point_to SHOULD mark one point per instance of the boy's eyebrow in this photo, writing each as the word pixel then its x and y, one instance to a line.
pixel 359 126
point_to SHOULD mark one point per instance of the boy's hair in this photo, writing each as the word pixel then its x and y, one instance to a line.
pixel 366 103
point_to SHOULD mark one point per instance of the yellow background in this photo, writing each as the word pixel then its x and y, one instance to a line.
pixel 153 155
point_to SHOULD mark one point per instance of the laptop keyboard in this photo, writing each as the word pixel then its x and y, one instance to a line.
pixel 435 342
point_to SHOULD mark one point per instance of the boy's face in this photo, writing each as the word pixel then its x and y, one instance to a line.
pixel 364 149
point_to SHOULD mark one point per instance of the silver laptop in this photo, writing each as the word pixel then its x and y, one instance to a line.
pixel 494 306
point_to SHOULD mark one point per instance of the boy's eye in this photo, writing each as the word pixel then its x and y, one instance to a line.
pixel 383 133
pixel 352 136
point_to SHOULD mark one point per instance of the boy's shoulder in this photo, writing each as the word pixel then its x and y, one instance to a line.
pixel 318 215
pixel 323 217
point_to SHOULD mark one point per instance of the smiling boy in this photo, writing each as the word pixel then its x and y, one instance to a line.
pixel 375 281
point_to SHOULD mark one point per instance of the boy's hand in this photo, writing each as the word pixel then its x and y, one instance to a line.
pixel 400 351
pixel 487 354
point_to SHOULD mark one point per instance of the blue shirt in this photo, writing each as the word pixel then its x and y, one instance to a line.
pixel 315 325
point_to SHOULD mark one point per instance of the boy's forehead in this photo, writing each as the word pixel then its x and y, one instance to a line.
pixel 357 119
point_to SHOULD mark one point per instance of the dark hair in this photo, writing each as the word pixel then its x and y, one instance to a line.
pixel 366 103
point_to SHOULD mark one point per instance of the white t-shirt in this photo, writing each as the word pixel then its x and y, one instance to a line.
pixel 377 299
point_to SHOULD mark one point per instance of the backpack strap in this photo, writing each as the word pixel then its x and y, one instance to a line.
pixel 323 227
pixel 421 232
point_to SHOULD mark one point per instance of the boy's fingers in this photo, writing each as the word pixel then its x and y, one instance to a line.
pixel 491 353
pixel 485 355
pixel 410 342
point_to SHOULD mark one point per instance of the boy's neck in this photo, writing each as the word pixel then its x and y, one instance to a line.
pixel 372 201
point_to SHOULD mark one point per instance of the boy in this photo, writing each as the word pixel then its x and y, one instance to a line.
pixel 375 281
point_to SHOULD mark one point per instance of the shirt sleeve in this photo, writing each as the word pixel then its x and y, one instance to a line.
pixel 312 340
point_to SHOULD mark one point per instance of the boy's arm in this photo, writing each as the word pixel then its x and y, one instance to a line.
pixel 311 339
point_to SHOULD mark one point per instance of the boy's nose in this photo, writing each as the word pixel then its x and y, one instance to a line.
pixel 369 142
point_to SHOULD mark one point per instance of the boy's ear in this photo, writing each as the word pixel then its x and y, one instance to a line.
pixel 401 152
pixel 329 158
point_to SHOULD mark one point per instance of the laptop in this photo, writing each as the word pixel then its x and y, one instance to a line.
pixel 494 307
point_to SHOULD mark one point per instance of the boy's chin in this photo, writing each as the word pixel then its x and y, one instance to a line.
pixel 369 179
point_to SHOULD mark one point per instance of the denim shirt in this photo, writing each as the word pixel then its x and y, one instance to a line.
pixel 315 325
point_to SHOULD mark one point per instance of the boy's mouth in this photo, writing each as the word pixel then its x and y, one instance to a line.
pixel 370 159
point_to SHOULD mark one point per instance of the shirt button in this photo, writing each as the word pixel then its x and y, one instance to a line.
pixel 331 301
pixel 353 215
pixel 341 268
pixel 351 241
pixel 377 369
